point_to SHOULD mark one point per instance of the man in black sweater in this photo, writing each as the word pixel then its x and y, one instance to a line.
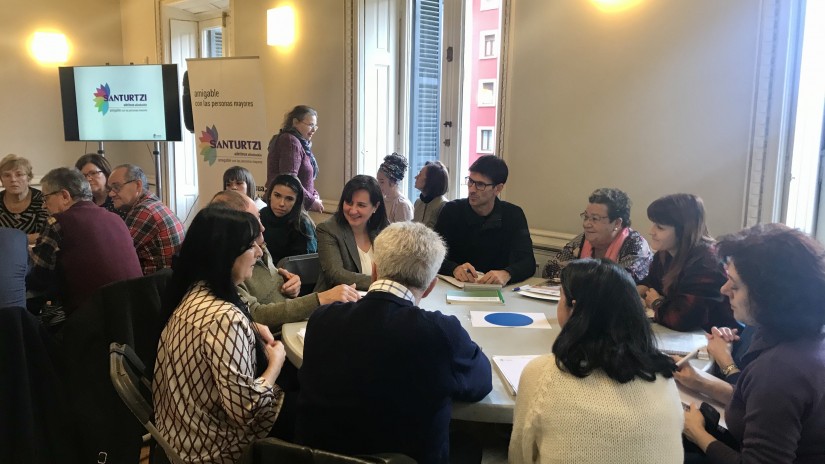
pixel 485 234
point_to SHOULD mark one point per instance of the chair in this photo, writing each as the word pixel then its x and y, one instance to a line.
pixel 129 379
pixel 308 267
pixel 269 450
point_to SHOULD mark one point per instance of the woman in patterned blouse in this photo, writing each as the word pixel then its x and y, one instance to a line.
pixel 607 234
pixel 214 385
pixel 682 287
pixel 21 206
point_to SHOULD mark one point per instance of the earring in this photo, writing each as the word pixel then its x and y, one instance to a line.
pixel 615 229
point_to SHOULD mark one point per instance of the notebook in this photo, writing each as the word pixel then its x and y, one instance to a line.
pixel 509 369
pixel 475 296
pixel 456 283
pixel 680 344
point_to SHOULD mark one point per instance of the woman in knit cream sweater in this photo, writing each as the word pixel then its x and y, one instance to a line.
pixel 606 394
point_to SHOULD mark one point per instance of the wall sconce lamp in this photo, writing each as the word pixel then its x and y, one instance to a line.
pixel 615 6
pixel 49 47
pixel 280 26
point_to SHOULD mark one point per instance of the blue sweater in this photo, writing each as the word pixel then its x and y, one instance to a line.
pixel 380 375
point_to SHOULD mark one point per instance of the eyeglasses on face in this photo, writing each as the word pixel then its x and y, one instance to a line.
pixel 91 174
pixel 310 125
pixel 118 187
pixel 47 195
pixel 480 186
pixel 594 218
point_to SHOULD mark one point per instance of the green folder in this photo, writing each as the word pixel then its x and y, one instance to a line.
pixel 490 296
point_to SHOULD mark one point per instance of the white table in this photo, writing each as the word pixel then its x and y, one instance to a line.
pixel 498 405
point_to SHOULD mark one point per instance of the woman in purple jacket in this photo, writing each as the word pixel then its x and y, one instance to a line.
pixel 776 410
pixel 290 152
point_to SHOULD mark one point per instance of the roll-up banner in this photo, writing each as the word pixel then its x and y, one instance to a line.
pixel 230 120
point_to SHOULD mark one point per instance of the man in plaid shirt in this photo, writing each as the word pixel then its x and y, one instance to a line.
pixel 156 231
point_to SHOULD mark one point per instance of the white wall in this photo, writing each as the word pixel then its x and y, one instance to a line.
pixel 655 100
pixel 31 122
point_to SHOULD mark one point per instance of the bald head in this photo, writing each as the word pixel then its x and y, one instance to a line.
pixel 239 202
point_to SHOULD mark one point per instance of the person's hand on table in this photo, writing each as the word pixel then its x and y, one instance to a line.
pixel 650 296
pixel 495 277
pixel 292 283
pixel 341 292
pixel 465 273
pixel 266 334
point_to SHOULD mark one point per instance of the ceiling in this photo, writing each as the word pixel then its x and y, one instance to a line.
pixel 199 6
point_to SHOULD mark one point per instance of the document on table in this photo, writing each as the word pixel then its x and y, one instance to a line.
pixel 681 344
pixel 301 335
pixel 508 320
pixel 489 296
pixel 457 283
pixel 509 369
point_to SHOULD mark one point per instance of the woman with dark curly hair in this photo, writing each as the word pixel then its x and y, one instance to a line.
pixel 776 410
pixel 682 287
pixel 607 234
pixel 390 173
pixel 606 393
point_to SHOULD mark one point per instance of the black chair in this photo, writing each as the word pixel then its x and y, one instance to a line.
pixel 135 389
pixel 308 267
pixel 269 450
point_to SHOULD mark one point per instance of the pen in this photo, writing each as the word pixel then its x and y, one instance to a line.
pixel 689 356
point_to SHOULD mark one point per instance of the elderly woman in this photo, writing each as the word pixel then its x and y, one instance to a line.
pixel 96 169
pixel 606 393
pixel 345 239
pixel 432 181
pixel 607 234
pixel 239 179
pixel 776 410
pixel 290 152
pixel 390 173
pixel 21 206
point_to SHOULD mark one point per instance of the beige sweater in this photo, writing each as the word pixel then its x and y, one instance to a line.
pixel 560 418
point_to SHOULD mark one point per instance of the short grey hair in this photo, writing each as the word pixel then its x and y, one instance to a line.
pixel 70 180
pixel 134 172
pixel 409 253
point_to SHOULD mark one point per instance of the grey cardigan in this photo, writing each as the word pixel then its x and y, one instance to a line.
pixel 427 213
pixel 338 255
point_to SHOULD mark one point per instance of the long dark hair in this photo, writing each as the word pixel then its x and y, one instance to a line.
pixel 685 212
pixel 378 221
pixel 216 237
pixel 298 216
pixel 241 174
pixel 784 272
pixel 607 329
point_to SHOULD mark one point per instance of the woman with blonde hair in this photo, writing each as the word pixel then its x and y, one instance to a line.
pixel 21 205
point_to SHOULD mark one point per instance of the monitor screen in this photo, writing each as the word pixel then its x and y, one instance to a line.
pixel 121 103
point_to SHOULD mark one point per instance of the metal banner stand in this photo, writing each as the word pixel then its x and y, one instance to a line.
pixel 158 177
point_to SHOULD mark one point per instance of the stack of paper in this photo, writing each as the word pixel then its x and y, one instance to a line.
pixel 456 283
pixel 509 368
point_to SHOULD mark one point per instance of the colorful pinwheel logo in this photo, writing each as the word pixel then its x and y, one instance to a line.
pixel 102 99
pixel 206 147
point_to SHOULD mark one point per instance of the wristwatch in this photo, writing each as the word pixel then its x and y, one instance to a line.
pixel 657 303
pixel 730 369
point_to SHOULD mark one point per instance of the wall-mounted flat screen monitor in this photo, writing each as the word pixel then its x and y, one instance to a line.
pixel 121 103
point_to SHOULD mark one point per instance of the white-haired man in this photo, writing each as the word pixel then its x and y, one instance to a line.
pixel 380 374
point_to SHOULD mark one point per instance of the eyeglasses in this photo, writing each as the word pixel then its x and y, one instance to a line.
pixel 310 125
pixel 91 174
pixel 47 195
pixel 595 218
pixel 118 187
pixel 480 186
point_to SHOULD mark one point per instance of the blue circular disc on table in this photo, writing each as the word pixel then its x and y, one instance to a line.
pixel 508 319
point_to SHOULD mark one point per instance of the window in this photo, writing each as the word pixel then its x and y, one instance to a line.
pixel 489 44
pixel 487 92
pixel 489 5
pixel 485 142
pixel 213 42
